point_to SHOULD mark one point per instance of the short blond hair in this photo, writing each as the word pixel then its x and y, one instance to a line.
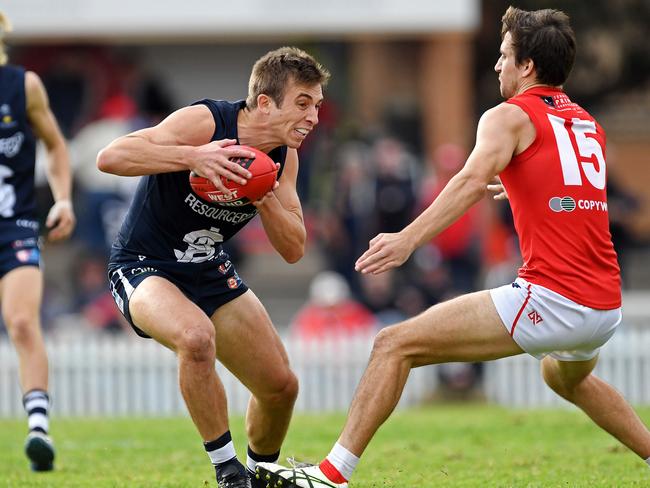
pixel 5 26
pixel 273 70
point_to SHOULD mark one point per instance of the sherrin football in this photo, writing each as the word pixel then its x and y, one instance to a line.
pixel 264 173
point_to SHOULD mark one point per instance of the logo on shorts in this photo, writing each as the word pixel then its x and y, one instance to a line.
pixel 233 283
pixel 223 268
pixel 535 318
pixel 564 204
pixel 27 255
pixel 143 269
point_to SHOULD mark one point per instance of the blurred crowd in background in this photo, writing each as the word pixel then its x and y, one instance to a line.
pixel 354 181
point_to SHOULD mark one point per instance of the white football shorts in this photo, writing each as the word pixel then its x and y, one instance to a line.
pixel 543 322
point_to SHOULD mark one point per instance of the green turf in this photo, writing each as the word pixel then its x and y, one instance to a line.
pixel 437 446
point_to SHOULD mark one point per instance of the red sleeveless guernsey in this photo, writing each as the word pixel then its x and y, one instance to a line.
pixel 556 189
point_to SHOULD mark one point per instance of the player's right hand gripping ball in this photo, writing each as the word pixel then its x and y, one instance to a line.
pixel 264 173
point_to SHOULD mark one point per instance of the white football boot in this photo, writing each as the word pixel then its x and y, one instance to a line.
pixel 277 476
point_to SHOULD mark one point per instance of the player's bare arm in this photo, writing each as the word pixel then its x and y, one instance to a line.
pixel 497 139
pixel 281 213
pixel 60 219
pixel 180 142
pixel 525 137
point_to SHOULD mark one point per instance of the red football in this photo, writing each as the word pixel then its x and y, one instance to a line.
pixel 264 173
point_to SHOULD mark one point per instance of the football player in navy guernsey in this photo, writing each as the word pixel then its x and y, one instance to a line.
pixel 25 115
pixel 168 273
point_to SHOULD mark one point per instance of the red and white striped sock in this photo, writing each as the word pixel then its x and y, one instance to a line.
pixel 339 464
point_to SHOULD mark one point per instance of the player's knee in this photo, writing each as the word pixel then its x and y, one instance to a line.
pixel 565 383
pixel 285 391
pixel 386 342
pixel 554 379
pixel 553 382
pixel 289 392
pixel 197 343
pixel 22 328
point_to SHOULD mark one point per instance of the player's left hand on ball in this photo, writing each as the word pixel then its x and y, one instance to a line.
pixel 259 203
pixel 386 251
pixel 270 194
pixel 498 189
pixel 60 220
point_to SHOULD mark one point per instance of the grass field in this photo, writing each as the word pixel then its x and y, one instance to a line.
pixel 437 446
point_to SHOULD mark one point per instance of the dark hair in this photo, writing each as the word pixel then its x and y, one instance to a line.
pixel 545 37
pixel 273 70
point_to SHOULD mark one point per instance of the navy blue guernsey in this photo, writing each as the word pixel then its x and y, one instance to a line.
pixel 17 149
pixel 168 221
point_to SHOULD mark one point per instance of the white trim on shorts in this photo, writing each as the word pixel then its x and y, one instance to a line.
pixel 543 322
pixel 128 289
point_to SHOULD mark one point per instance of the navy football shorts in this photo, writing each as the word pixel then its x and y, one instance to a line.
pixel 19 245
pixel 209 285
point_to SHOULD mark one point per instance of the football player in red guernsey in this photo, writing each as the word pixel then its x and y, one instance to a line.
pixel 565 303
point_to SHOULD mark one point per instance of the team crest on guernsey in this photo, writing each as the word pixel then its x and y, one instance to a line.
pixel 6 120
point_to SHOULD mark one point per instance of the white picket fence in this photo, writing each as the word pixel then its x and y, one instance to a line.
pixel 123 376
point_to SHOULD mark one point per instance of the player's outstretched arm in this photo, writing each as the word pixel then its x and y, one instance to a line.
pixel 497 138
pixel 180 142
pixel 60 219
pixel 281 213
